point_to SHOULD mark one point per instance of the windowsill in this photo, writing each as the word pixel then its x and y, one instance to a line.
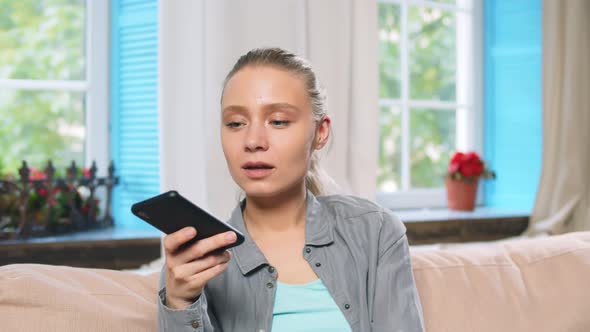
pixel 111 248
pixel 119 248
pixel 107 234
pixel 443 214
pixel 408 217
pixel 441 225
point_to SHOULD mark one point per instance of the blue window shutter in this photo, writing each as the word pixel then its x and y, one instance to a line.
pixel 512 101
pixel 134 105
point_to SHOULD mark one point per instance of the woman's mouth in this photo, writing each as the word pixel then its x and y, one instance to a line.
pixel 257 170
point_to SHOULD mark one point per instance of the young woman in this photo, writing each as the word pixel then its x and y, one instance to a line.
pixel 310 262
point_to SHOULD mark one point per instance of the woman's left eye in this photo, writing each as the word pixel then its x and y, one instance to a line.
pixel 233 124
pixel 279 122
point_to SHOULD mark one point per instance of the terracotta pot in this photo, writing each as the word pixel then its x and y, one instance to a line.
pixel 461 194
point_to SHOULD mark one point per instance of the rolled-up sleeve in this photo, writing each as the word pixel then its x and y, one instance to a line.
pixel 193 318
pixel 397 303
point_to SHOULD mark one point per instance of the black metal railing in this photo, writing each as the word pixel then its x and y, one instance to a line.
pixel 39 203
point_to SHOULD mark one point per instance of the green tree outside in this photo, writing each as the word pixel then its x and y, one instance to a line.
pixel 41 40
pixel 431 48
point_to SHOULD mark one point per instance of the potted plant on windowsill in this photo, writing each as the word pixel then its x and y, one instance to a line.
pixel 462 179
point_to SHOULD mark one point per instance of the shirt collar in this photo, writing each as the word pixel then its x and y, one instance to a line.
pixel 318 232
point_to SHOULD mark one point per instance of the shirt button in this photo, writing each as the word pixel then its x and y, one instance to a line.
pixel 269 285
pixel 271 269
pixel 308 250
pixel 195 324
pixel 318 264
pixel 347 306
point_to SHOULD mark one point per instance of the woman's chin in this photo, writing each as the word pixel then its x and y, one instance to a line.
pixel 268 189
pixel 259 190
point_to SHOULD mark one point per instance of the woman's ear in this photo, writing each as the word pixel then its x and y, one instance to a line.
pixel 322 132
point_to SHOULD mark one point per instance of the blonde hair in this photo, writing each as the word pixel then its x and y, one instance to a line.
pixel 316 179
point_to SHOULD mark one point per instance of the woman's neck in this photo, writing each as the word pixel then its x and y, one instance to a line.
pixel 280 213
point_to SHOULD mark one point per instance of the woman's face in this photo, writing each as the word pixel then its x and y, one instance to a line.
pixel 268 130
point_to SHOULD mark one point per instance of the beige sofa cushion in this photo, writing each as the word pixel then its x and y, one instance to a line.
pixel 522 285
pixel 37 297
pixel 525 285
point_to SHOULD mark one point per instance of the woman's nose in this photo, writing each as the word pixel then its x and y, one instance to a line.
pixel 256 137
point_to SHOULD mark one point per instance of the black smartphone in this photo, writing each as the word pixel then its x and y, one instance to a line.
pixel 170 212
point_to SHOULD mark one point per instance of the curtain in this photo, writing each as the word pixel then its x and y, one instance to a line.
pixel 563 199
pixel 200 41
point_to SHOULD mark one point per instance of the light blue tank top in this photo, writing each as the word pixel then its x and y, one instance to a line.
pixel 306 308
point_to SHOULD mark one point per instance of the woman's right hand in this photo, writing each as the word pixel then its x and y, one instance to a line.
pixel 188 270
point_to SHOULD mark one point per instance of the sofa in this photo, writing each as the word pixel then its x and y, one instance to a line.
pixel 540 284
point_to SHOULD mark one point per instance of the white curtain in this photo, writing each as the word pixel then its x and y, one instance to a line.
pixel 200 41
pixel 563 199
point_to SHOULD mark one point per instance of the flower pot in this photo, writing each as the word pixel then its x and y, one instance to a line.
pixel 461 194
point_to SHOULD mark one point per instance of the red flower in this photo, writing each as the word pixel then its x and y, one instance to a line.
pixel 472 156
pixel 468 165
pixel 86 172
pixel 456 162
pixel 470 169
pixel 85 208
pixel 36 174
pixel 42 192
pixel 457 157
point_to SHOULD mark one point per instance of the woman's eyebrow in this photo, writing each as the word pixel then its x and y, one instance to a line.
pixel 235 108
pixel 267 108
pixel 281 107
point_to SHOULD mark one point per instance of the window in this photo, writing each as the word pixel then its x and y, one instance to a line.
pixel 430 95
pixel 53 88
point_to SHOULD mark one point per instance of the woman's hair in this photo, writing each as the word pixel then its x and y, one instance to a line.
pixel 316 179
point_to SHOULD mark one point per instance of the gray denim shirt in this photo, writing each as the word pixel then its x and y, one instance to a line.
pixel 358 249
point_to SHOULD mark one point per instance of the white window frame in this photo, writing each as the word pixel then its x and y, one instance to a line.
pixel 95 86
pixel 468 105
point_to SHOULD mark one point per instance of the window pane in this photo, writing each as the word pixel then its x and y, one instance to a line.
pixel 390 149
pixel 389 57
pixel 431 54
pixel 36 126
pixel 42 39
pixel 432 139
